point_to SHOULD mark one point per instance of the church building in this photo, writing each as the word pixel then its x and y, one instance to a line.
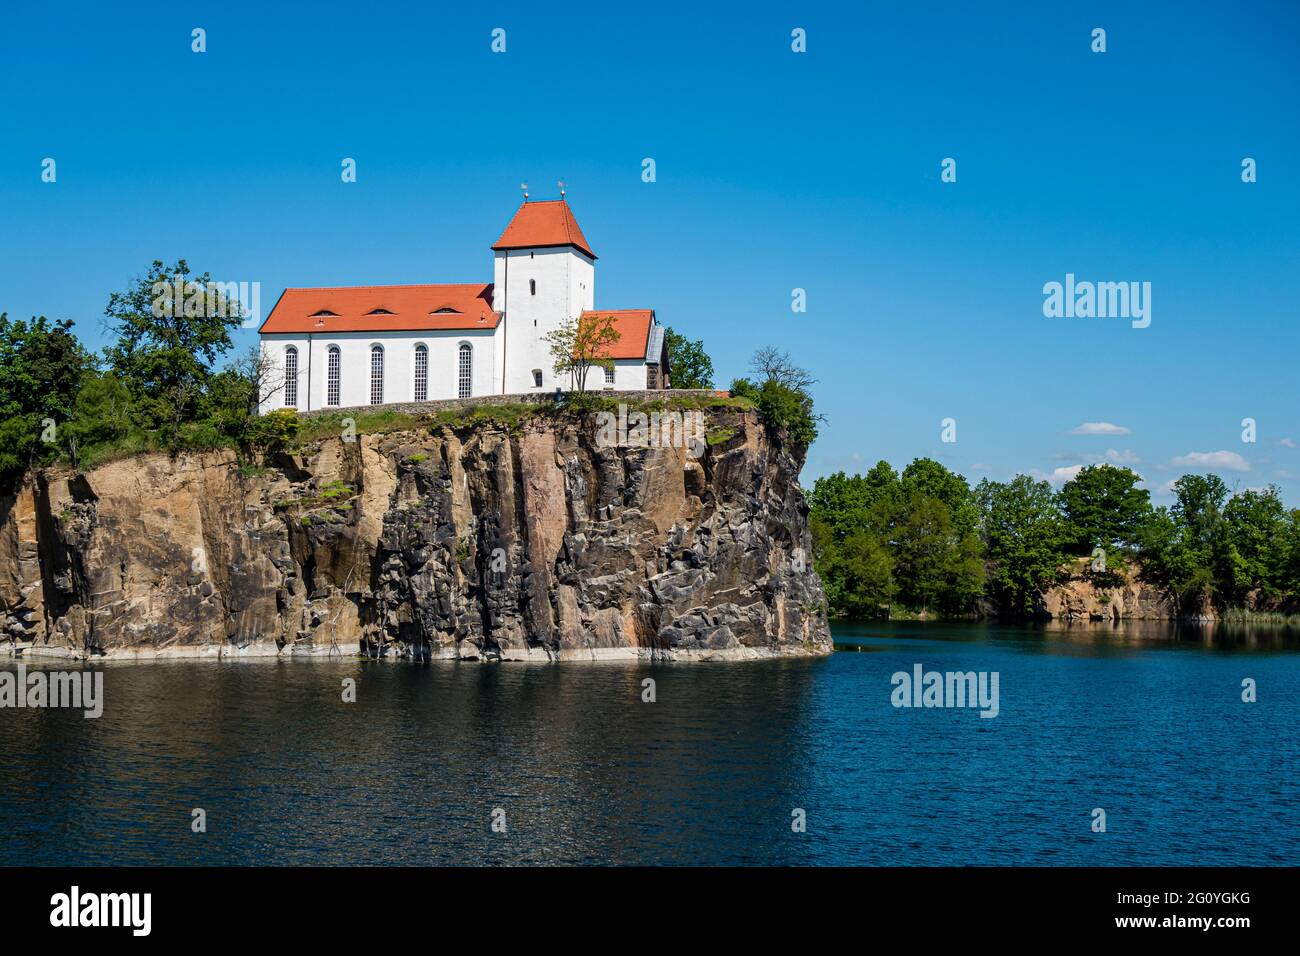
pixel 378 345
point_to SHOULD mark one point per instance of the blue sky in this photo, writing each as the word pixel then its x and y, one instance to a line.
pixel 775 171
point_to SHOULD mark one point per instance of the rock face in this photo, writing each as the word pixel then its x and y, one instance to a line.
pixel 486 543
pixel 1079 599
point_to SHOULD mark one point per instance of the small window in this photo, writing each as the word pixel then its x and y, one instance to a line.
pixel 465 371
pixel 532 287
pixel 376 375
pixel 291 377
pixel 379 312
pixel 332 376
pixel 609 375
pixel 537 378
pixel 421 373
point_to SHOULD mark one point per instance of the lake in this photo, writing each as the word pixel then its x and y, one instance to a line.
pixel 1143 721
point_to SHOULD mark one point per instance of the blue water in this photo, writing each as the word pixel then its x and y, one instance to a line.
pixel 1141 721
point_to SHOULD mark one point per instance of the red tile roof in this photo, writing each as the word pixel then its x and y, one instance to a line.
pixel 633 327
pixel 384 308
pixel 541 224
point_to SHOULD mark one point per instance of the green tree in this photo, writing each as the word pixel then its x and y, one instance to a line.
pixel 1103 507
pixel 851 518
pixel 42 365
pixel 867 570
pixel 928 477
pixel 689 366
pixel 101 415
pixel 849 503
pixel 580 343
pixel 1289 547
pixel 781 390
pixel 1205 534
pixel 937 565
pixel 1188 550
pixel 1167 560
pixel 1257 532
pixel 1023 540
pixel 1199 508
pixel 171 326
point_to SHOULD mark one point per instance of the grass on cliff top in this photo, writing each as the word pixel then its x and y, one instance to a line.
pixel 194 436
pixel 314 428
pixel 134 443
pixel 510 416
pixel 200 436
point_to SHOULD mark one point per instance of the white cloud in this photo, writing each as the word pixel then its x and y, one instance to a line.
pixel 1167 488
pixel 1099 428
pixel 1115 457
pixel 1058 476
pixel 1287 442
pixel 1212 459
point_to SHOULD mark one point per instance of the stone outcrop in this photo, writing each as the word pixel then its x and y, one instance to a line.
pixel 1082 598
pixel 527 542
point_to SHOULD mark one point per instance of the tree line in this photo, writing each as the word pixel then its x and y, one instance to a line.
pixel 925 541
pixel 165 381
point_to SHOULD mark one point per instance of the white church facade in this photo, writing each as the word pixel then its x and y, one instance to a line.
pixel 377 345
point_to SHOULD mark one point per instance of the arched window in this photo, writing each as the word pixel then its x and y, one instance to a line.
pixel 609 374
pixel 465 376
pixel 421 373
pixel 291 377
pixel 332 364
pixel 376 375
pixel 532 287
pixel 537 378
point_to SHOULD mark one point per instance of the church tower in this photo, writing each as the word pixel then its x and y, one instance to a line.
pixel 544 275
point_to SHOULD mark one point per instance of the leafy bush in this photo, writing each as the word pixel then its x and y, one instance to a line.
pixel 275 430
pixel 781 407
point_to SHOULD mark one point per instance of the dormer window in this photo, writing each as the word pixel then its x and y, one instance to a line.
pixel 379 312
pixel 322 313
pixel 445 310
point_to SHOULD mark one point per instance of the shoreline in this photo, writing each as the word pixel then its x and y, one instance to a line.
pixel 353 651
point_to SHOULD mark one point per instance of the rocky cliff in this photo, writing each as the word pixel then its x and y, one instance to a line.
pixel 528 541
pixel 1122 596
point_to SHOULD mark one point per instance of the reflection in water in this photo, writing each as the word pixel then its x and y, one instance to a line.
pixel 1152 635
pixel 1143 720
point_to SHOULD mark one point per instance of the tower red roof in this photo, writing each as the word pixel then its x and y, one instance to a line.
pixel 541 224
